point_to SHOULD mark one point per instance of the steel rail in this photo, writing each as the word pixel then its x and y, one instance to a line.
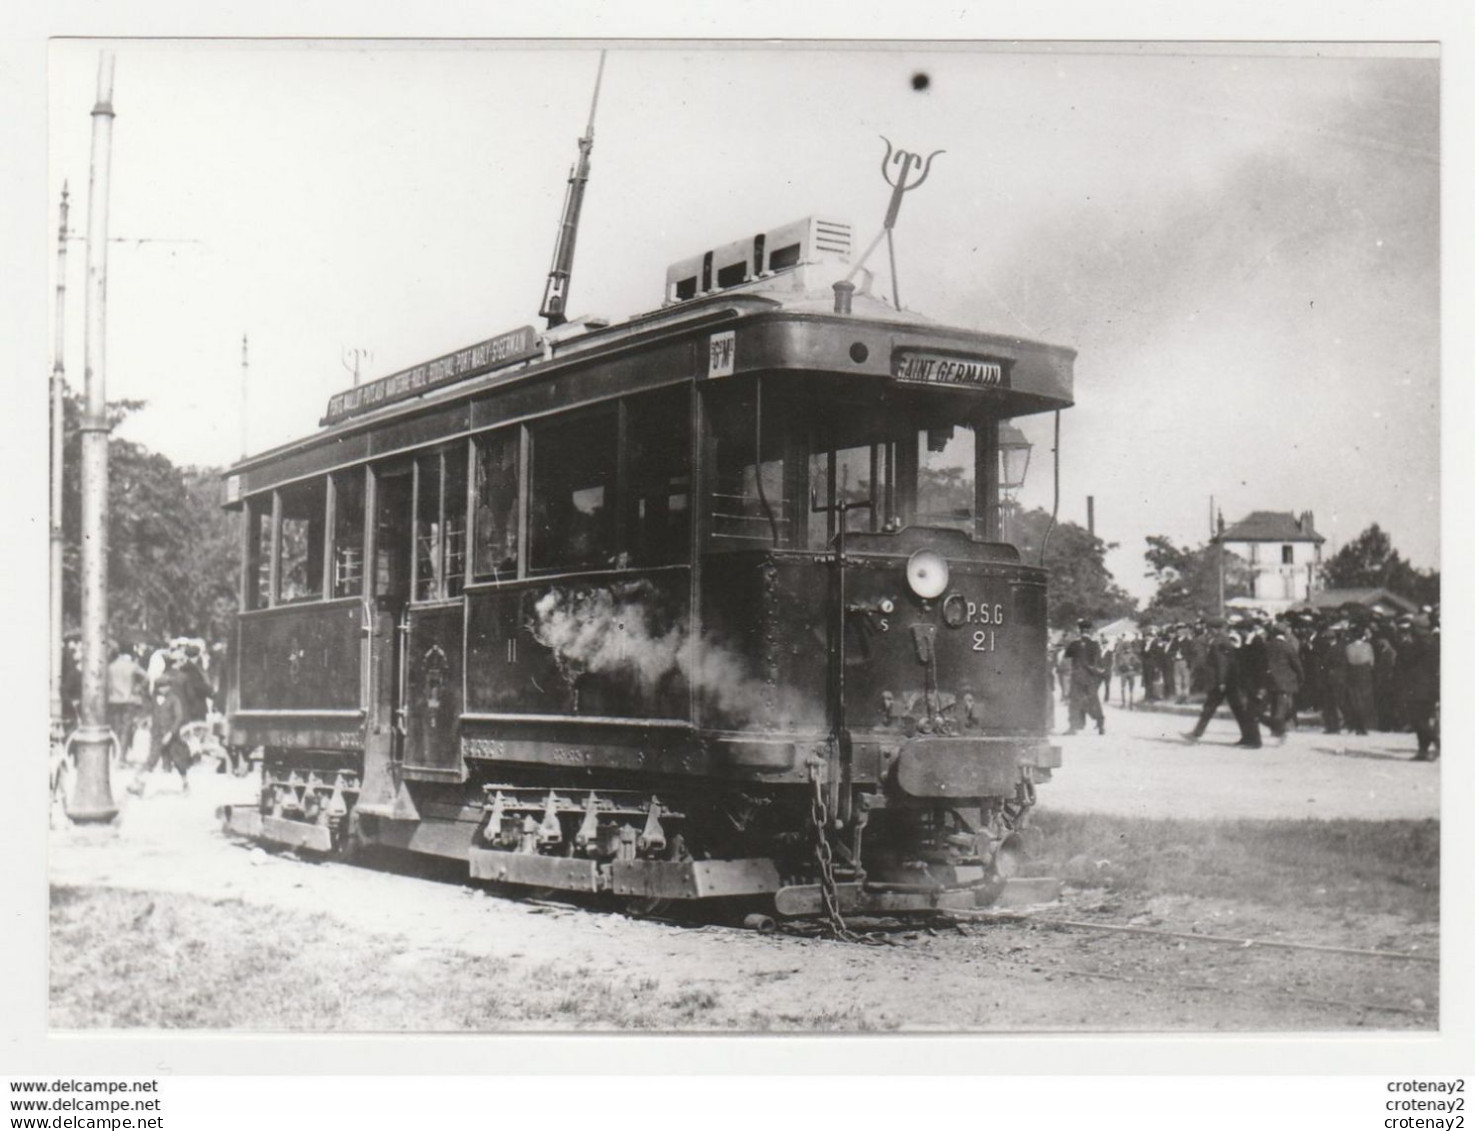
pixel 1153 932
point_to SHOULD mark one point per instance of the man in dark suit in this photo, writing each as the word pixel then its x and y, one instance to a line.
pixel 1086 670
pixel 1220 662
pixel 1418 675
pixel 1283 675
pixel 1331 654
pixel 1246 679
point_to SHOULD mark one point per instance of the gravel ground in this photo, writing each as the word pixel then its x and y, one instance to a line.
pixel 975 977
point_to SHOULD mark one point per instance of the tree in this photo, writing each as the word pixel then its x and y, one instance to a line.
pixel 172 559
pixel 1188 579
pixel 1369 561
pixel 1081 587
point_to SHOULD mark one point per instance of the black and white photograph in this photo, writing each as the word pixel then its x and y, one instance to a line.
pixel 744 537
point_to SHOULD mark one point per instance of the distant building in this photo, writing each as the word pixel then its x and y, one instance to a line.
pixel 1283 556
pixel 1383 601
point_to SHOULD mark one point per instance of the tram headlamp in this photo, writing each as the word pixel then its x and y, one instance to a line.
pixel 927 574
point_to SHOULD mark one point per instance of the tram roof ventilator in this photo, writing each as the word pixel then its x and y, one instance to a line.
pixel 808 254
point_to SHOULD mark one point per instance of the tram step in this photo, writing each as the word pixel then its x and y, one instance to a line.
pixel 248 822
pixel 693 879
pixel 535 871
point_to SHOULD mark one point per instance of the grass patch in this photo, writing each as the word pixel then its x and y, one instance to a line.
pixel 126 959
pixel 1389 867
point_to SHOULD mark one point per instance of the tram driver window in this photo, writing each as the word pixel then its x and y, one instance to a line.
pixel 946 476
pixel 304 515
pixel 747 499
pixel 856 475
pixel 571 509
pixel 496 507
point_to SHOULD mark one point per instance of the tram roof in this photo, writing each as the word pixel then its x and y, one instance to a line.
pixel 788 297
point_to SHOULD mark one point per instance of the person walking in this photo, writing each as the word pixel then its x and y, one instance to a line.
pixel 1360 661
pixel 1418 677
pixel 1385 680
pixel 192 683
pixel 1283 674
pixel 1182 667
pixel 1129 667
pixel 1222 680
pixel 165 743
pixel 1332 661
pixel 1084 655
pixel 1246 679
pixel 126 686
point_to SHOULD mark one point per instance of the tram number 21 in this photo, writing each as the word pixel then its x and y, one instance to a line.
pixel 983 640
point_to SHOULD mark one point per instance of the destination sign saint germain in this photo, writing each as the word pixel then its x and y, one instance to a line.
pixel 505 349
pixel 937 369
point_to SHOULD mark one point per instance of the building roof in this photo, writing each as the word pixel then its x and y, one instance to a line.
pixel 1273 526
pixel 1372 598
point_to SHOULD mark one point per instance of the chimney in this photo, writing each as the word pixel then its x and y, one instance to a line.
pixel 843 291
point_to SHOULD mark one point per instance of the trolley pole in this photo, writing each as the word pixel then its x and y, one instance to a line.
pixel 58 443
pixel 92 799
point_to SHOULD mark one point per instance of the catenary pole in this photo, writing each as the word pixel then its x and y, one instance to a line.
pixel 58 440
pixel 92 799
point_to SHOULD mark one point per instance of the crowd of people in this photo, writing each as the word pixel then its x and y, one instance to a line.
pixel 1356 670
pixel 163 689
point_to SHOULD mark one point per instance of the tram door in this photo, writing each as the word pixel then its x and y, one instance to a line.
pixel 393 551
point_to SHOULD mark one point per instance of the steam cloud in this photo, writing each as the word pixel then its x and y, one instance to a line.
pixel 615 630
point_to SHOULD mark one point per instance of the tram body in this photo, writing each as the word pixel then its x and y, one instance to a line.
pixel 709 603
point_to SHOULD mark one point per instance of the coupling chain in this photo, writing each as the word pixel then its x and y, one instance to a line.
pixel 819 817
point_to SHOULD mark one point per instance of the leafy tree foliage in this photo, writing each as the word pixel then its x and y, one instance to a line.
pixel 172 552
pixel 1188 579
pixel 1370 561
pixel 1080 584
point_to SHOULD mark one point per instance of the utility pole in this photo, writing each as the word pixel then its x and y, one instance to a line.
pixel 58 443
pixel 1219 541
pixel 1091 515
pixel 92 799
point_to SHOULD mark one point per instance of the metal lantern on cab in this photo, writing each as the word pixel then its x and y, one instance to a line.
pixel 1014 451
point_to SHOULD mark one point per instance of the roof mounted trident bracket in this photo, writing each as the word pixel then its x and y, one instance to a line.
pixel 898 187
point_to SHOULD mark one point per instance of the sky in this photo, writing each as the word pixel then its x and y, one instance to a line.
pixel 1242 243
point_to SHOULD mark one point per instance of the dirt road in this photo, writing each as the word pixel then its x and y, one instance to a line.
pixel 975 976
pixel 1143 767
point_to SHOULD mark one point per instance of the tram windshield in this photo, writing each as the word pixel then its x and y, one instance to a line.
pixel 900 458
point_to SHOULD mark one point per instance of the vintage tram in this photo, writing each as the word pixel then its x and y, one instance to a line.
pixel 709 603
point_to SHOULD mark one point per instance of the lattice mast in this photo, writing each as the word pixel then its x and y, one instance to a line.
pixel 555 295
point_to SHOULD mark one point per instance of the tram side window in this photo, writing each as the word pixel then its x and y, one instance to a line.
pixel 304 514
pixel 348 534
pixel 440 525
pixel 496 507
pixel 258 552
pixel 748 507
pixel 658 470
pixel 571 510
